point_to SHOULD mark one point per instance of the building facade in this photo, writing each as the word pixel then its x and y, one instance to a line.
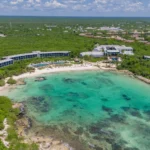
pixel 109 50
pixel 146 57
pixel 37 54
pixel 8 60
pixel 93 54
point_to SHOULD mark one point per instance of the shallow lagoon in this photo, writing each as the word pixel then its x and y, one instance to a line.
pixel 90 109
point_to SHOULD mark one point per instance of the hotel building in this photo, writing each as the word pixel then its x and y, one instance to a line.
pixel 8 60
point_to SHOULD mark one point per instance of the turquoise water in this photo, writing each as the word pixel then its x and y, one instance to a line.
pixel 90 110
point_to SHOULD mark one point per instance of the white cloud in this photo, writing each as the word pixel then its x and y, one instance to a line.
pixel 38 1
pixel 31 1
pixel 16 2
pixel 78 6
pixel 55 4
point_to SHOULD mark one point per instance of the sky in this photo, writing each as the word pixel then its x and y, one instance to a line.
pixel 102 8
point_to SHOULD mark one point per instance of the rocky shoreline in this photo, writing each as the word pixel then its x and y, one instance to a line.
pixel 127 72
pixel 143 79
pixel 23 127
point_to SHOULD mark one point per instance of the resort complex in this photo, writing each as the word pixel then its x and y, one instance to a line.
pixel 109 50
pixel 98 51
pixel 8 60
pixel 74 83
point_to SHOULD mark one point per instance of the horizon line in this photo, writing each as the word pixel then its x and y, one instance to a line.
pixel 76 16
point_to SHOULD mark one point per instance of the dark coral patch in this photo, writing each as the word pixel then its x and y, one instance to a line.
pixel 107 109
pixel 125 97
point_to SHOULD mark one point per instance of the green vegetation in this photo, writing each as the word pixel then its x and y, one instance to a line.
pixel 136 65
pixel 6 111
pixel 11 81
pixel 27 34
pixel 2 82
pixel 2 147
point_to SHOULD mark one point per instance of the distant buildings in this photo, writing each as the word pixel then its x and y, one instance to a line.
pixel 109 50
pixel 8 60
pixel 91 28
pixel 112 29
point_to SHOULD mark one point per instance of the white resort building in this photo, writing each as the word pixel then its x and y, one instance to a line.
pixel 146 57
pixel 8 60
pixel 108 50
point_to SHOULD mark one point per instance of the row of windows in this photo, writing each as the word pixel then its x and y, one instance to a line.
pixel 6 63
pixel 54 54
pixel 33 56
pixel 24 57
pixel 41 55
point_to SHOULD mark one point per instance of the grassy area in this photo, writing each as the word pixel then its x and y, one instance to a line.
pixel 6 111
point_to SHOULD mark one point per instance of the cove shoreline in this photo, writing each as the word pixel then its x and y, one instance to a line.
pixel 81 67
pixel 40 139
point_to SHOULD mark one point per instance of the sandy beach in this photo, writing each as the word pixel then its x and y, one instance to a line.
pixel 56 69
pixel 38 72
pixel 75 67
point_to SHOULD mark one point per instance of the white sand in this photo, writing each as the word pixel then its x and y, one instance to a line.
pixel 47 71
pixel 77 67
pixel 56 69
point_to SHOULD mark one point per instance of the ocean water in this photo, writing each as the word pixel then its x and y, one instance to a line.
pixel 95 110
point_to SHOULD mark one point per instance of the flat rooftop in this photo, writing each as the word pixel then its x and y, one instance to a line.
pixel 110 48
pixel 34 53
pixel 5 60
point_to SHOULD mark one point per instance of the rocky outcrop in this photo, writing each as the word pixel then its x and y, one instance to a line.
pixel 38 79
pixel 21 82
pixel 143 79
